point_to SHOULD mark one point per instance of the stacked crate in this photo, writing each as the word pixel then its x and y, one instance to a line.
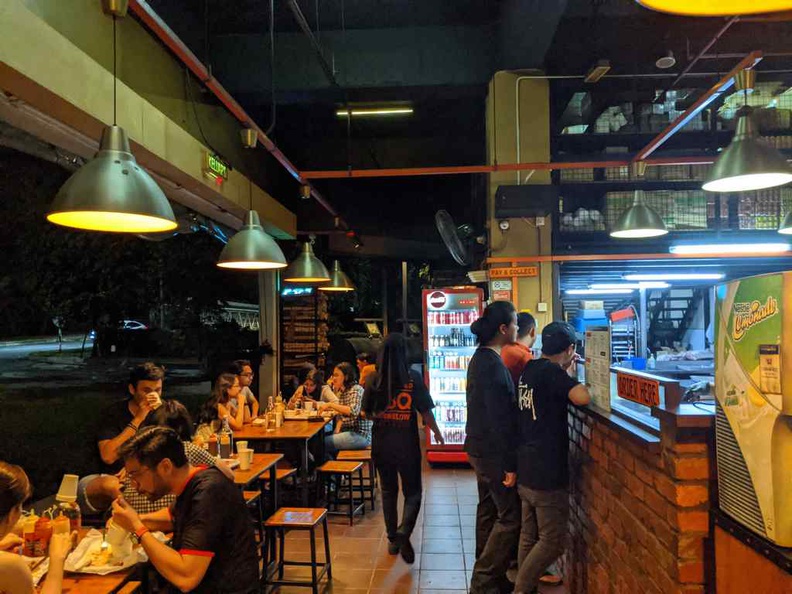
pixel 303 332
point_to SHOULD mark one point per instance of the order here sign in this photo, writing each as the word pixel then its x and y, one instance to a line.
pixel 638 389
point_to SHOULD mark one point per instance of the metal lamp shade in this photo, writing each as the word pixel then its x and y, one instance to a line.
pixel 748 163
pixel 112 193
pixel 251 248
pixel 786 226
pixel 306 268
pixel 639 221
pixel 715 7
pixel 339 281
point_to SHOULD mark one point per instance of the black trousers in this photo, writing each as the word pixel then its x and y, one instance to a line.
pixel 391 467
pixel 497 525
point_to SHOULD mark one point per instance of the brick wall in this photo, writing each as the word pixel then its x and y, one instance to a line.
pixel 639 517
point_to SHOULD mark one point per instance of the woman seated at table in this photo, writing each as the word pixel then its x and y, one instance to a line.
pixel 15 574
pixel 352 431
pixel 218 407
pixel 312 389
pixel 102 491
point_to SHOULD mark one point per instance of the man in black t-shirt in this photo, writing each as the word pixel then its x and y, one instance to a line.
pixel 213 547
pixel 545 388
pixel 118 423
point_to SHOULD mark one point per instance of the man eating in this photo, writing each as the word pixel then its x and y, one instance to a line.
pixel 213 547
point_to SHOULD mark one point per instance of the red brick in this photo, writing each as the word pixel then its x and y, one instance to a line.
pixel 635 486
pixel 665 486
pixel 597 454
pixel 690 547
pixel 610 448
pixel 690 589
pixel 691 495
pixel 696 447
pixel 596 438
pixel 643 472
pixel 691 572
pixel 661 529
pixel 689 468
pixel 688 521
pixel 655 502
pixel 626 459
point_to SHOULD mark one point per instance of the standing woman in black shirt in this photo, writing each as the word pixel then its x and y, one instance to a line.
pixel 491 443
pixel 393 395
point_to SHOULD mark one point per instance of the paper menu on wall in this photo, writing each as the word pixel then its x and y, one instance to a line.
pixel 598 362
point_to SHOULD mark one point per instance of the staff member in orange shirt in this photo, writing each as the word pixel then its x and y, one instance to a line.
pixel 517 354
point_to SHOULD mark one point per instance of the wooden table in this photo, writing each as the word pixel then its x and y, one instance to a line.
pixel 261 464
pixel 89 583
pixel 302 431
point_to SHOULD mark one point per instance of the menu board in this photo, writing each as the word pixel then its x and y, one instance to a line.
pixel 598 363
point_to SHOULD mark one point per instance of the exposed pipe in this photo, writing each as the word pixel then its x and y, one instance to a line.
pixel 160 29
pixel 306 28
pixel 723 85
pixel 707 47
pixel 468 169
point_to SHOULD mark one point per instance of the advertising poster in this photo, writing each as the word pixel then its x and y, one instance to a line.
pixel 598 362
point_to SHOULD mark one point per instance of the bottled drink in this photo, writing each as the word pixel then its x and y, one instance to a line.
pixel 226 439
pixel 71 510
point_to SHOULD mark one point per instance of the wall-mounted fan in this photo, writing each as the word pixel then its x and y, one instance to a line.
pixel 459 240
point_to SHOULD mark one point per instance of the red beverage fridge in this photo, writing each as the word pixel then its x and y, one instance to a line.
pixel 448 347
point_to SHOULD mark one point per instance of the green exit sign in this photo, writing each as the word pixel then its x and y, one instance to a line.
pixel 215 167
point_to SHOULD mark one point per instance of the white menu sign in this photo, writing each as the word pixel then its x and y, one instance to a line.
pixel 598 363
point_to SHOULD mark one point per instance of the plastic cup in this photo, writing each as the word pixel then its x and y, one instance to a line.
pixel 308 404
pixel 241 445
pixel 245 457
pixel 68 488
pixel 116 535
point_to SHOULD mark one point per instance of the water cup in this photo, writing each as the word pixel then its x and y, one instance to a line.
pixel 245 458
pixel 118 538
pixel 68 488
pixel 241 445
pixel 308 404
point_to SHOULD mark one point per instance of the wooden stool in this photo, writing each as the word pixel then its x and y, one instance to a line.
pixel 345 469
pixel 370 481
pixel 297 518
pixel 253 503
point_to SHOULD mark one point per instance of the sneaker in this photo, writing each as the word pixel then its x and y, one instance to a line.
pixel 393 547
pixel 551 579
pixel 407 551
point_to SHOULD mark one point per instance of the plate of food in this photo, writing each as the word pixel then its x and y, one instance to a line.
pixel 91 557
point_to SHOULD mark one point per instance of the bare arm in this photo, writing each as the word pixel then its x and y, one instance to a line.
pixel 430 421
pixel 59 547
pixel 183 571
pixel 254 408
pixel 108 448
pixel 580 395
pixel 15 577
pixel 158 520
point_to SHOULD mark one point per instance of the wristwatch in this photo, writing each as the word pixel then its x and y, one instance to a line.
pixel 138 534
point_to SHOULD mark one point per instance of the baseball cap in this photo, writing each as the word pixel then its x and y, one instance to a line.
pixel 556 337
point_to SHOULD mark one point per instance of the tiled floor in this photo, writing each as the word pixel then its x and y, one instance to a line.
pixel 444 543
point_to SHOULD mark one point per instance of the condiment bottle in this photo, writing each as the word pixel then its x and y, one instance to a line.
pixel 67 501
pixel 29 536
pixel 61 525
pixel 213 444
pixel 43 533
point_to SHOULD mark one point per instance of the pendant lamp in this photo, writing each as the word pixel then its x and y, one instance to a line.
pixel 112 192
pixel 716 7
pixel 306 268
pixel 748 163
pixel 639 221
pixel 251 248
pixel 339 282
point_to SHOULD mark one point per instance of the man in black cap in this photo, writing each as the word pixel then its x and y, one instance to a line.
pixel 545 387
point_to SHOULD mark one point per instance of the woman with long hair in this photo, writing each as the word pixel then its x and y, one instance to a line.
pixel 214 410
pixel 15 574
pixel 313 389
pixel 491 444
pixel 393 397
pixel 353 432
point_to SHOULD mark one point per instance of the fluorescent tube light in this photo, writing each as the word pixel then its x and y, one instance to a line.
pixel 598 291
pixel 673 277
pixel 731 248
pixel 632 286
pixel 374 111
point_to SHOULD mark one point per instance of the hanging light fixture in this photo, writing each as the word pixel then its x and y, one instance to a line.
pixel 639 220
pixel 306 268
pixel 748 163
pixel 715 7
pixel 112 192
pixel 339 282
pixel 252 248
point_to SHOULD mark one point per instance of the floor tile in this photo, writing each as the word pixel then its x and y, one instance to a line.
pixel 469 545
pixel 443 580
pixel 441 509
pixel 442 520
pixel 442 532
pixel 442 561
pixel 467 509
pixel 445 545
pixel 397 579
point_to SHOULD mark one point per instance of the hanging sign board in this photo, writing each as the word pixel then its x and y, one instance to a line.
pixel 215 168
pixel 513 271
pixel 501 295
pixel 501 285
pixel 638 389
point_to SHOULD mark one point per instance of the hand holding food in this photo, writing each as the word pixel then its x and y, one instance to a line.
pixel 60 545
